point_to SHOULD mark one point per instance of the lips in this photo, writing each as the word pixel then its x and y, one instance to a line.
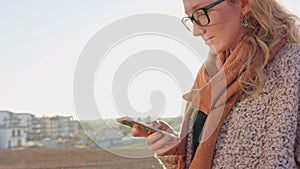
pixel 208 40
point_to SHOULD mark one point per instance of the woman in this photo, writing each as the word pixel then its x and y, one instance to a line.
pixel 243 110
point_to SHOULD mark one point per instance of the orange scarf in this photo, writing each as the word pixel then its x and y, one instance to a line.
pixel 215 92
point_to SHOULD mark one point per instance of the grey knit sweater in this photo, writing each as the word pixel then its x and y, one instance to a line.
pixel 263 132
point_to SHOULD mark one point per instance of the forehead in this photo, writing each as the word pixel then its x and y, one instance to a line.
pixel 191 5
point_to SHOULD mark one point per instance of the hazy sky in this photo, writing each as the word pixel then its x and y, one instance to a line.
pixel 41 40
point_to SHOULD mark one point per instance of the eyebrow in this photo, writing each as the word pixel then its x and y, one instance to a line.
pixel 199 5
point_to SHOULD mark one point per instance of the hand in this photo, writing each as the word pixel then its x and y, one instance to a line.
pixel 158 142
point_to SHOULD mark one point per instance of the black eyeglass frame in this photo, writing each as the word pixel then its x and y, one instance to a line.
pixel 204 9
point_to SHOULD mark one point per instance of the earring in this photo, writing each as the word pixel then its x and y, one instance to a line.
pixel 245 22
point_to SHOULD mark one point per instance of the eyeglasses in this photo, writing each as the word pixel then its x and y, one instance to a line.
pixel 199 16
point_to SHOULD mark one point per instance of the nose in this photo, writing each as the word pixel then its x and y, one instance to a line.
pixel 198 31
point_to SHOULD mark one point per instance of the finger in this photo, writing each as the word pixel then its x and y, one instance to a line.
pixel 137 131
pixel 161 143
pixel 167 148
pixel 151 139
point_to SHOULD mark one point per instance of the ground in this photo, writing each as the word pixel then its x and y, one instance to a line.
pixel 74 158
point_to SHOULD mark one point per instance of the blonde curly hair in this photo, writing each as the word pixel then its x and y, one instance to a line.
pixel 269 22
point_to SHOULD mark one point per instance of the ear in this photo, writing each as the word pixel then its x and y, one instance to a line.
pixel 245 6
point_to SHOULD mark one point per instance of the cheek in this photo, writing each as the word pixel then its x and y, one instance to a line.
pixel 226 32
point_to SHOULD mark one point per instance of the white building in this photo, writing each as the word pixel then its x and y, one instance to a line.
pixel 12 132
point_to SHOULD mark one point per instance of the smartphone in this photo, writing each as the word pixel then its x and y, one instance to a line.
pixel 128 121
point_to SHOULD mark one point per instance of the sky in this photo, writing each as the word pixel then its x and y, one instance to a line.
pixel 41 41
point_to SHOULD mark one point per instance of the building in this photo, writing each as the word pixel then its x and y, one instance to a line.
pixel 32 125
pixel 45 127
pixel 35 132
pixel 12 131
pixel 58 126
pixel 18 128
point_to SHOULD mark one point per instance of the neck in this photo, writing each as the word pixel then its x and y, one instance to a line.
pixel 238 40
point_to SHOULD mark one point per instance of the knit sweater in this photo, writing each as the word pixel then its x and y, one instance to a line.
pixel 264 131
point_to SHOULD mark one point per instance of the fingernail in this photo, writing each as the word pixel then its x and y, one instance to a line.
pixel 155 124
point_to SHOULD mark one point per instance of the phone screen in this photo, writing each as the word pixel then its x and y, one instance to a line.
pixel 130 122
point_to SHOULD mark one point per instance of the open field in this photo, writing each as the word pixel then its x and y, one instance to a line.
pixel 74 158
